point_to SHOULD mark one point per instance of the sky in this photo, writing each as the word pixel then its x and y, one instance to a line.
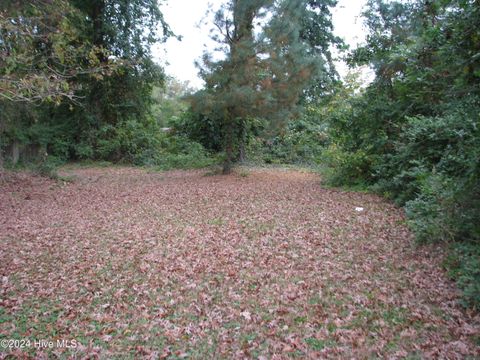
pixel 186 17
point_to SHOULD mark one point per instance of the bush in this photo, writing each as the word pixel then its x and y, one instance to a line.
pixel 347 168
pixel 429 164
pixel 447 145
pixel 432 213
pixel 84 151
pixel 178 152
pixel 145 144
pixel 435 172
pixel 201 129
pixel 302 142
pixel 48 167
pixel 447 209
pixel 126 141
pixel 463 265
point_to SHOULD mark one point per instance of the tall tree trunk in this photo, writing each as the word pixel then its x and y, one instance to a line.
pixel 227 165
pixel 15 152
pixel 243 59
pixel 241 153
pixel 243 141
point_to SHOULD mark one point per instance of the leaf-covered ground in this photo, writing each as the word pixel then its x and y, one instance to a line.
pixel 187 265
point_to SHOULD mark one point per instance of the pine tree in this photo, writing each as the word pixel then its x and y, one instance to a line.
pixel 265 69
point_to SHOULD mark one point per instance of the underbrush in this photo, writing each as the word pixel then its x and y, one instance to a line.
pixel 346 169
pixel 46 167
pixel 301 143
pixel 146 145
pixel 432 170
pixel 463 266
pixel 138 142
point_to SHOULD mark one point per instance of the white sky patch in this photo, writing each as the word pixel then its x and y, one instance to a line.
pixel 185 17
pixel 348 24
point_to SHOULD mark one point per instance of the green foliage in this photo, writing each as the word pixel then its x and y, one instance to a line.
pixel 346 168
pixel 96 53
pixel 434 170
pixel 302 141
pixel 126 27
pixel 200 128
pixel 448 145
pixel 182 153
pixel 432 212
pixel 126 142
pixel 48 167
pixel 263 74
pixel 317 31
pixel 354 139
pixel 414 132
pixel 115 124
pixel 147 145
pixel 446 209
pixel 168 103
pixel 42 50
pixel 463 265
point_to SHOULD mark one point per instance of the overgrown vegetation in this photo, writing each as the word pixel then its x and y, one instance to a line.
pixel 413 133
pixel 91 96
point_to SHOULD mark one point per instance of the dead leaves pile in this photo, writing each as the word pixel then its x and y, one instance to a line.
pixel 183 265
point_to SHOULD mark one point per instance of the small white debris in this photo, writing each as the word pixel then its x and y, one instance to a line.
pixel 359 209
pixel 246 315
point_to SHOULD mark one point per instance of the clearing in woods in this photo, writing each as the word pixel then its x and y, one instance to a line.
pixel 269 264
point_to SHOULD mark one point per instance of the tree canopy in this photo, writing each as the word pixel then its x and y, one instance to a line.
pixel 78 70
pixel 271 53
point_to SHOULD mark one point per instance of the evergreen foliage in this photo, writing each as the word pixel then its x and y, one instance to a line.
pixel 267 65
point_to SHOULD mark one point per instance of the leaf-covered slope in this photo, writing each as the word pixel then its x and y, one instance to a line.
pixel 269 265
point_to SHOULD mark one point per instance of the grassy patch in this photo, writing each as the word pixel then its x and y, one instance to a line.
pixel 319 344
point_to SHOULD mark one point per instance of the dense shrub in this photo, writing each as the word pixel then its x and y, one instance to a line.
pixel 179 152
pixel 446 209
pixel 127 141
pixel 200 128
pixel 301 141
pixel 463 265
pixel 346 168
pixel 431 212
pixel 48 166
pixel 431 166
pixel 141 143
pixel 147 145
pixel 434 171
pixel 447 145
